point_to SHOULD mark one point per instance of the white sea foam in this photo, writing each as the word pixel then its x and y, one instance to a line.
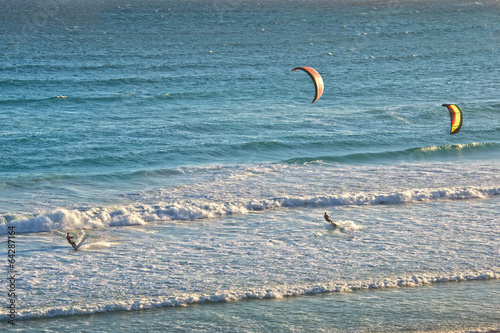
pixel 97 245
pixel 276 292
pixel 348 225
pixel 204 208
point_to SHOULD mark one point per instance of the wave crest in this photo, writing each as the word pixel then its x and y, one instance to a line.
pixel 275 292
pixel 411 154
pixel 203 208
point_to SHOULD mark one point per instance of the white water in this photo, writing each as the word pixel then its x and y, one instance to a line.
pixel 282 252
pixel 221 191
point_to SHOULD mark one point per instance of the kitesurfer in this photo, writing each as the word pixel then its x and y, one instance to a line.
pixel 327 218
pixel 69 238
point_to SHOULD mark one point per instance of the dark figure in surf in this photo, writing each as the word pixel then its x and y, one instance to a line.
pixel 69 238
pixel 327 218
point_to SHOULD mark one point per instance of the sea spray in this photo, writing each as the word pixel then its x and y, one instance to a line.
pixel 195 209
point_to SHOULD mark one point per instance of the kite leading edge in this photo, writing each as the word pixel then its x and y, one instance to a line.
pixel 456 117
pixel 318 81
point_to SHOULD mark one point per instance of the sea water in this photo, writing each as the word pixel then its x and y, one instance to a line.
pixel 173 139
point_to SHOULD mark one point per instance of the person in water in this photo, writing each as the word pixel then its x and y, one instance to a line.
pixel 327 218
pixel 69 238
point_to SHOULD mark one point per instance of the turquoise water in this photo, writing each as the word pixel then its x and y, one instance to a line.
pixel 175 141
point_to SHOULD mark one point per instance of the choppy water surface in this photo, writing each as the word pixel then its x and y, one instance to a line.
pixel 175 141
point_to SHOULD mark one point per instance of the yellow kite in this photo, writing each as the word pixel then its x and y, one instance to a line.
pixel 456 118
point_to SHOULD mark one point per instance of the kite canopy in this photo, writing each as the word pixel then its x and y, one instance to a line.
pixel 456 118
pixel 318 81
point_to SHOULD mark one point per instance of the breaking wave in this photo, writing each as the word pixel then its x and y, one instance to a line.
pixel 276 292
pixel 412 154
pixel 203 208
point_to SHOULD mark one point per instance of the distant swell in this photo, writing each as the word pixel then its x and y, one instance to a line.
pixel 203 208
pixel 412 154
pixel 276 292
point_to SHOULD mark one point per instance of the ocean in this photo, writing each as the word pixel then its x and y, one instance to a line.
pixel 173 140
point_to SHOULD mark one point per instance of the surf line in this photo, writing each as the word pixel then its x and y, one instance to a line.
pixel 11 254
